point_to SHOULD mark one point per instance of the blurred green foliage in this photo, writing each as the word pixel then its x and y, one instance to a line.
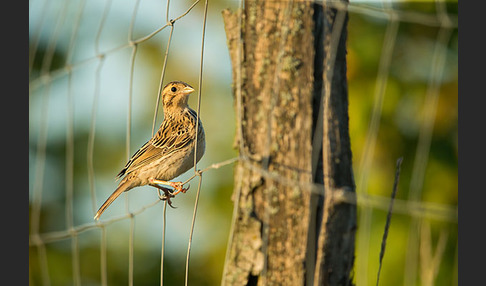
pixel 402 115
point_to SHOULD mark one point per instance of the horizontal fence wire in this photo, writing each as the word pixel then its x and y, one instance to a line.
pixel 411 208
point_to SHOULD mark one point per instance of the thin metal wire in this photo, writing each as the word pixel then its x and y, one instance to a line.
pixel 132 21
pixel 103 265
pixel 417 209
pixel 211 167
pixel 402 15
pixel 70 180
pixel 234 218
pixel 50 76
pixel 127 143
pixel 241 149
pixel 143 39
pixel 128 139
pixel 130 84
pixel 55 236
pixel 193 221
pixel 200 81
pixel 75 259
pixel 337 28
pixel 130 249
pixel 34 40
pixel 379 96
pixel 167 11
pixel 94 109
pixel 41 146
pixel 70 158
pixel 430 260
pixel 48 57
pixel 37 188
pixel 162 75
pixel 316 155
pixel 92 134
pixel 128 136
pixel 423 146
pixel 74 35
pixel 162 249
pixel 130 96
pixel 164 216
pixel 42 254
pixel 100 27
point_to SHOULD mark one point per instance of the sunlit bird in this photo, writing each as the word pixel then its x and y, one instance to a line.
pixel 169 153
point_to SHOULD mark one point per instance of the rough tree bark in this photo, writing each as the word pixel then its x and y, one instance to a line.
pixel 291 104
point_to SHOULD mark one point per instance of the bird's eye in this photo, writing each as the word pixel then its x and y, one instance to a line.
pixel 173 89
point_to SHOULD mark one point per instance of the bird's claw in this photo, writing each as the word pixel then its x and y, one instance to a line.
pixel 179 187
pixel 168 194
pixel 184 190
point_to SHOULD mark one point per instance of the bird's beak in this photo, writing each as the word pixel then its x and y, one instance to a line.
pixel 187 90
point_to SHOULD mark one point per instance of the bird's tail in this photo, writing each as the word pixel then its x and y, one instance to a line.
pixel 124 186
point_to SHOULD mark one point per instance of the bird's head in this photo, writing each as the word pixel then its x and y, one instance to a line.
pixel 175 95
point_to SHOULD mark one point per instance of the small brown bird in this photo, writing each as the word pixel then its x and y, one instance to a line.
pixel 170 152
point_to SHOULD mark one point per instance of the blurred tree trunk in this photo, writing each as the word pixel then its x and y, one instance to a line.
pixel 291 104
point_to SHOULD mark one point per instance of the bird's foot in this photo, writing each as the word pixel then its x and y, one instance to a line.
pixel 179 187
pixel 168 194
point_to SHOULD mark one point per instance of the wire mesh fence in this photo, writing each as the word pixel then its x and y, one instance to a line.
pixel 96 69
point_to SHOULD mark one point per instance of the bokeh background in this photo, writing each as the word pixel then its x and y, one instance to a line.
pixel 75 93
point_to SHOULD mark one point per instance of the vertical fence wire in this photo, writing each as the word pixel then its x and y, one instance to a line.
pixel 335 36
pixel 34 40
pixel 42 141
pixel 423 146
pixel 164 215
pixel 240 147
pixel 162 75
pixel 70 149
pixel 196 172
pixel 162 248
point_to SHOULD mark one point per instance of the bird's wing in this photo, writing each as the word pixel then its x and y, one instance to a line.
pixel 171 137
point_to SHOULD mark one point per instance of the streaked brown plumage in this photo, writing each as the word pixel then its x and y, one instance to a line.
pixel 170 152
